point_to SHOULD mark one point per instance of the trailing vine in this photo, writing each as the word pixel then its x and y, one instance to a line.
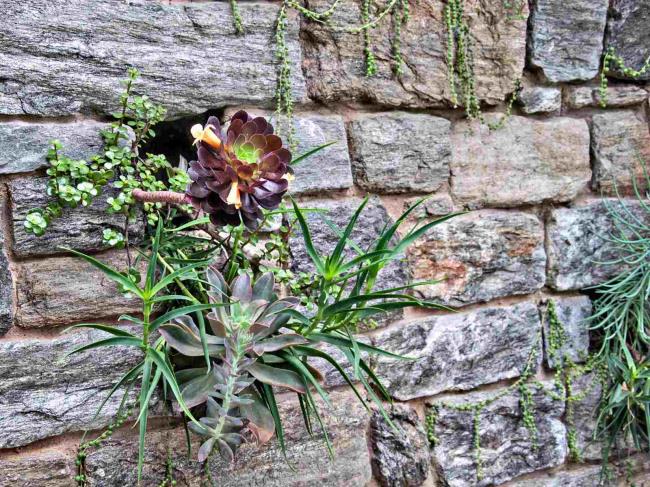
pixel 566 373
pixel 476 408
pixel 611 62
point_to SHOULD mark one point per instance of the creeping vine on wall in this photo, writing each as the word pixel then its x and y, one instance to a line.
pixel 613 62
pixel 566 373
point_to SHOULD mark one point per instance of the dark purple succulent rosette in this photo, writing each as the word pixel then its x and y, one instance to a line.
pixel 247 171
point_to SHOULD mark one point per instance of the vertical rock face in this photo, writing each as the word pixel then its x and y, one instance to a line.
pixel 525 162
pixel 506 447
pixel 6 286
pixel 190 57
pixel 566 38
pixel 400 459
pixel 577 243
pixel 24 146
pixel 400 152
pixel 68 290
pixel 619 142
pixel 480 256
pixel 628 34
pixel 459 351
pixel 78 228
pixel 572 313
pixel 44 393
pixel 333 59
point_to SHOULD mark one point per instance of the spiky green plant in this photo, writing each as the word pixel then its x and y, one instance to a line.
pixel 622 319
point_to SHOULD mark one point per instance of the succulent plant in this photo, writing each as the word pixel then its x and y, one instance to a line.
pixel 240 172
pixel 246 321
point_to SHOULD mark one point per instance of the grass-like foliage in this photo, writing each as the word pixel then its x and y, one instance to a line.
pixel 222 341
pixel 622 319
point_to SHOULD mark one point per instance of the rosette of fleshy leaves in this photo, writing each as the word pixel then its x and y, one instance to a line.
pixel 246 322
pixel 240 172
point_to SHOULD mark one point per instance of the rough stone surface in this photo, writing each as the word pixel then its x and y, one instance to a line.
pixel 576 243
pixel 540 99
pixel 79 228
pixel 628 33
pixel 328 169
pixel 6 290
pixel 334 66
pixel 436 205
pixel 617 96
pixel 89 43
pixel 306 463
pixel 399 459
pixel 619 141
pixel 400 152
pixel 458 351
pixel 566 38
pixel 525 162
pixel 480 256
pixel 369 225
pixel 51 470
pixel 506 448
pixel 66 290
pixel 583 476
pixel 24 146
pixel 572 312
pixel 588 388
pixel 45 394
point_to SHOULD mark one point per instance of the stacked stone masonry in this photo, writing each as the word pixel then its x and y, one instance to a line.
pixel 534 229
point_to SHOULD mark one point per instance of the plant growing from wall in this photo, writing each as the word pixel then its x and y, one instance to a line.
pixel 622 318
pixel 613 62
pixel 214 333
pixel 121 166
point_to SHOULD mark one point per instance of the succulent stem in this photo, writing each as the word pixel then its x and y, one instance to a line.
pixel 169 197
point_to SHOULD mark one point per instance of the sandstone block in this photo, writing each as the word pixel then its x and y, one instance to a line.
pixel 51 470
pixel 566 38
pixel 91 42
pixel 620 141
pixel 66 290
pixel 525 162
pixel 480 256
pixel 334 66
pixel 459 351
pixel 400 152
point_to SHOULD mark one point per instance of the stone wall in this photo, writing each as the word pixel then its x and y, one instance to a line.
pixel 535 232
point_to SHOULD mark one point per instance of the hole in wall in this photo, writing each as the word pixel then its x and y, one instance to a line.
pixel 173 138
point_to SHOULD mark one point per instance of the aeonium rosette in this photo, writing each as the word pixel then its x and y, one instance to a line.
pixel 238 173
